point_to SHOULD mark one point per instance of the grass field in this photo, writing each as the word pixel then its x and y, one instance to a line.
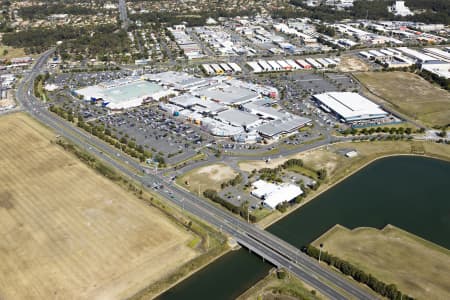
pixel 418 267
pixel 11 52
pixel 410 95
pixel 69 233
pixel 207 177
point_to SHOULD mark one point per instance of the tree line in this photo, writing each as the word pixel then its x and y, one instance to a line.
pixel 90 161
pixel 105 134
pixel 431 77
pixel 386 290
pixel 372 130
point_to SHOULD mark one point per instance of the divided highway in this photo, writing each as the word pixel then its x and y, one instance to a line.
pixel 263 243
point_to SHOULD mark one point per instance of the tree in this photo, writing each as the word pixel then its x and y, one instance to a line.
pixel 322 174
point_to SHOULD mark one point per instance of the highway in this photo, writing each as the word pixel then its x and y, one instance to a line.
pixel 263 243
pixel 123 14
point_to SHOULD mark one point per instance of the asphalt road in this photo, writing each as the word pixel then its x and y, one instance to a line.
pixel 265 244
pixel 123 14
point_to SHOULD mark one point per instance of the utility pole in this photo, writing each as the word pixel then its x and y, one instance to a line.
pixel 248 215
pixel 320 251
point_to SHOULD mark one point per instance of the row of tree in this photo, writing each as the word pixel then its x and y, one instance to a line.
pixel 386 290
pixel 105 134
pixel 90 161
pixel 372 130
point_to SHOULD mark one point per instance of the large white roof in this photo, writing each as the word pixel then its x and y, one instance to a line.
pixel 350 106
pixel 284 193
pixel 274 194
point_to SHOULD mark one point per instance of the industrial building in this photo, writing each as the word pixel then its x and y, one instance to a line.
pixel 277 128
pixel 349 107
pixel 274 194
pixel 416 55
pixel 220 69
pixel 262 66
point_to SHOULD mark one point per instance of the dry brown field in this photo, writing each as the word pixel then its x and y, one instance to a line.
pixel 391 255
pixel 207 177
pixel 69 233
pixel 411 95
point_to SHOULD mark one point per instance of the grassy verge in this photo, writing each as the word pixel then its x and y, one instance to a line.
pixel 274 287
pixel 196 157
pixel 208 241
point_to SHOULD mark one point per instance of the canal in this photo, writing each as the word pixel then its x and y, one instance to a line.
pixel 409 192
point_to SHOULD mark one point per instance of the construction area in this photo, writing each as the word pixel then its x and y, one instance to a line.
pixel 68 232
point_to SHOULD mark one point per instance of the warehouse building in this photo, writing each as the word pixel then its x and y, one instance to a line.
pixel 275 194
pixel 418 56
pixel 349 107
pixel 277 128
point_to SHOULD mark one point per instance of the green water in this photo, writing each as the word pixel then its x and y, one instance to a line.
pixel 409 192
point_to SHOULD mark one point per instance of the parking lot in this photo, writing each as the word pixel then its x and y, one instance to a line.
pixel 157 132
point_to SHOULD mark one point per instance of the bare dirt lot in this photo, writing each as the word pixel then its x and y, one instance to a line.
pixel 207 177
pixel 410 94
pixel 352 64
pixel 69 233
pixel 391 255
